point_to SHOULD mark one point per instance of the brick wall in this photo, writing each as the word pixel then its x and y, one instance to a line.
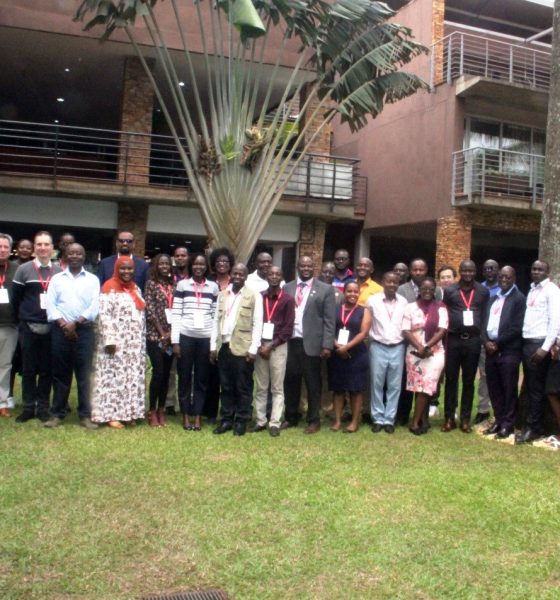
pixel 438 31
pixel 322 142
pixel 312 240
pixel 134 218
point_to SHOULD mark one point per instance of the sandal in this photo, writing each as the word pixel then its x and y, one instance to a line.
pixel 115 425
pixel 196 428
pixel 348 430
pixel 551 443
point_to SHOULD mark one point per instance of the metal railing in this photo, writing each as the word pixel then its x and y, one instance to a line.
pixel 107 156
pixel 486 175
pixel 466 54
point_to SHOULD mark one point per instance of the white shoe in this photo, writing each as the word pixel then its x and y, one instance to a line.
pixel 434 411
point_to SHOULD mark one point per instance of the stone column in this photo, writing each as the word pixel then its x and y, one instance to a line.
pixel 453 239
pixel 312 240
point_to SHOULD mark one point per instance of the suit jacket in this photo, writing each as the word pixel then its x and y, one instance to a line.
pixel 319 316
pixel 511 323
pixel 107 266
pixel 407 291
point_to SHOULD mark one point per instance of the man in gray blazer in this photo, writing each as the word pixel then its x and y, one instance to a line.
pixel 312 340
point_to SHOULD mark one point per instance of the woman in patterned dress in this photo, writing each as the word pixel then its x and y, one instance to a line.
pixel 424 325
pixel 119 394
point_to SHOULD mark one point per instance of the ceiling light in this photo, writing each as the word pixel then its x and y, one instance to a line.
pixel 67 70
pixel 182 83
pixel 60 99
pixel 56 120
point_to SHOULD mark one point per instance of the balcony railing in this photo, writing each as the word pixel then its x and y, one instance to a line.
pixel 466 54
pixel 497 177
pixel 122 158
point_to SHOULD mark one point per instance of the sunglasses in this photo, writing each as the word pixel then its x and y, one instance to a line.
pixel 121 241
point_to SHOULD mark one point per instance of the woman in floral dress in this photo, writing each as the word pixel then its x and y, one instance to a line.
pixel 118 394
pixel 424 325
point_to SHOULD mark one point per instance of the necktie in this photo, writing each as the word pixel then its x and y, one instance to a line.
pixel 299 293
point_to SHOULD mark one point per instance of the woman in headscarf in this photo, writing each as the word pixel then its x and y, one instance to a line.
pixel 118 394
pixel 424 325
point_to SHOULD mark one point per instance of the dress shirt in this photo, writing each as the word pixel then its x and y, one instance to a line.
pixel 282 317
pixel 256 283
pixel 542 315
pixel 386 326
pixel 456 305
pixel 298 323
pixel 70 297
pixel 493 327
pixel 367 289
pixel 492 290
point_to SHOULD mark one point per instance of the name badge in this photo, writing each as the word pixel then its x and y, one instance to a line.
pixel 4 298
pixel 43 301
pixel 268 331
pixel 468 319
pixel 198 320
pixel 168 315
pixel 343 337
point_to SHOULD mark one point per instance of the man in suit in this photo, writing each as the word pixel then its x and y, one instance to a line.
pixel 501 338
pixel 125 247
pixel 312 340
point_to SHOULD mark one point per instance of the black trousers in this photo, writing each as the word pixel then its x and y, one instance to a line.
pixel 195 353
pixel 36 379
pixel 300 366
pixel 161 367
pixel 72 358
pixel 535 380
pixel 462 358
pixel 502 377
pixel 236 382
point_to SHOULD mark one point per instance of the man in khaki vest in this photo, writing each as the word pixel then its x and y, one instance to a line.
pixel 235 340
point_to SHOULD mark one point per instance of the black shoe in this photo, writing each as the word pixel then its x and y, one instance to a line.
pixel 170 410
pixel 257 428
pixel 239 428
pixel 402 421
pixel 389 428
pixel 223 427
pixel 492 429
pixel 504 432
pixel 288 424
pixel 527 436
pixel 376 427
pixel 480 417
pixel 274 431
pixel 43 417
pixel 25 416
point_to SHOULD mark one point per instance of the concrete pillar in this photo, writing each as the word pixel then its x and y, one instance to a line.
pixel 312 240
pixel 362 246
pixel 133 217
pixel 453 239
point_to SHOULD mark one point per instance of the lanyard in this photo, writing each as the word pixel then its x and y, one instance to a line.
pixel 345 319
pixel 44 282
pixel 224 287
pixel 168 291
pixel 270 313
pixel 535 295
pixel 498 305
pixel 390 313
pixel 471 296
pixel 230 305
pixel 198 293
pixel 3 277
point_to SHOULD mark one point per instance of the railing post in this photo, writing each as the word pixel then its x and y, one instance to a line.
pixel 127 147
pixel 308 183
pixel 462 55
pixel 55 150
pixel 483 177
pixel 333 187
pixel 486 55
pixel 453 179
pixel 534 69
pixel 449 57
pixel 511 63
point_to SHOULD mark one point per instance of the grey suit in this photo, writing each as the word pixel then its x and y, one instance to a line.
pixel 304 362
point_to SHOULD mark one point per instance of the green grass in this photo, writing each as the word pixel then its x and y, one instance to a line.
pixel 121 514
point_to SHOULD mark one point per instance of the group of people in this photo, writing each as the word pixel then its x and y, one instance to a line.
pixel 236 339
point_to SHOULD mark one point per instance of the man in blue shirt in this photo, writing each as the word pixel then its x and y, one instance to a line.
pixel 72 307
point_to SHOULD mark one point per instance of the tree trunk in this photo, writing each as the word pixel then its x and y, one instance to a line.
pixel 549 246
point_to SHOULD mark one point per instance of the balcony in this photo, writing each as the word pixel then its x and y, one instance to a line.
pixel 498 178
pixel 105 163
pixel 488 67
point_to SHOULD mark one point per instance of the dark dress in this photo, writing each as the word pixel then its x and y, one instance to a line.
pixel 349 375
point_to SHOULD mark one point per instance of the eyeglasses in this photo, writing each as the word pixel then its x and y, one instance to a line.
pixel 223 260
pixel 121 241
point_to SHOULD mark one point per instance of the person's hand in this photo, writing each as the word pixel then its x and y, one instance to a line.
pixel 250 358
pixel 342 352
pixel 265 352
pixel 538 356
pixel 110 349
pixel 325 353
pixel 213 357
pixel 555 352
pixel 491 348
pixel 177 350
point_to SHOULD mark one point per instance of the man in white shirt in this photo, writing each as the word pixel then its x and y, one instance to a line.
pixel 386 352
pixel 541 327
pixel 234 343
pixel 257 280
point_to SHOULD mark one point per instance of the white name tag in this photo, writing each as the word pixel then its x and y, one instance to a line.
pixel 168 315
pixel 268 331
pixel 198 320
pixel 43 301
pixel 4 298
pixel 468 320
pixel 343 336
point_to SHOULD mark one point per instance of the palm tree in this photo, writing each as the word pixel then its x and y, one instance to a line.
pixel 239 153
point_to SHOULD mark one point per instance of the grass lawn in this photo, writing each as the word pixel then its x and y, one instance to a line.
pixel 122 514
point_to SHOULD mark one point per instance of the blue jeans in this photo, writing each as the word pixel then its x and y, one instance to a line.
pixel 386 367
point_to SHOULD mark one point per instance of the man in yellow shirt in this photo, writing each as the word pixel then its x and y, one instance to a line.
pixel 368 287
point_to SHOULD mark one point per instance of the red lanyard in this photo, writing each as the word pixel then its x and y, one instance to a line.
pixel 499 304
pixel 270 313
pixel 198 293
pixel 387 309
pixel 346 319
pixel 231 304
pixel 222 288
pixel 44 282
pixel 471 296
pixel 535 295
pixel 168 291
pixel 3 277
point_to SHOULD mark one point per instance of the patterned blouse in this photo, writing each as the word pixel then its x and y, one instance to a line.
pixel 158 297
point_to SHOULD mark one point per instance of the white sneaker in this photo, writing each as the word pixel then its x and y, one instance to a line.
pixel 434 411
